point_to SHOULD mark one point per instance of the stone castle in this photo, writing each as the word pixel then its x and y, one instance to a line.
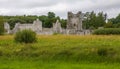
pixel 74 26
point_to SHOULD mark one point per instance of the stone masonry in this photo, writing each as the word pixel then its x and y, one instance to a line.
pixel 74 26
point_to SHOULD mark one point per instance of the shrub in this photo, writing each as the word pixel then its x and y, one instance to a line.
pixel 25 36
pixel 107 31
pixel 102 52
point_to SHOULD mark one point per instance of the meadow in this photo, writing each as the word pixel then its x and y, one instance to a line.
pixel 61 52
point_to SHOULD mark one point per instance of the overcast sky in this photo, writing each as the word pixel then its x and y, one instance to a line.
pixel 60 7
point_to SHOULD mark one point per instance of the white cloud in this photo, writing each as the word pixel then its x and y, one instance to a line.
pixel 61 7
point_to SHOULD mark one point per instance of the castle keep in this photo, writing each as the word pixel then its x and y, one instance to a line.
pixel 74 26
pixel 74 21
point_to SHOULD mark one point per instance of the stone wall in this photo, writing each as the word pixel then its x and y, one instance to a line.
pixel 36 27
pixel 74 26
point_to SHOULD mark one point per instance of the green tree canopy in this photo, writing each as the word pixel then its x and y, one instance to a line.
pixel 94 20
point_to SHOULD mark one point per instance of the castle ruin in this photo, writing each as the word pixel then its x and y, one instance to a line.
pixel 74 26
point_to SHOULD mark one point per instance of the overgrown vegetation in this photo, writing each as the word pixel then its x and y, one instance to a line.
pixel 107 31
pixel 25 36
pixel 57 52
pixel 1 25
pixel 65 48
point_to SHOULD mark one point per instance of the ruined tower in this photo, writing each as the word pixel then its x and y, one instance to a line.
pixel 74 21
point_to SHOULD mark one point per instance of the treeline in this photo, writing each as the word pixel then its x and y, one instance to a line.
pixel 91 20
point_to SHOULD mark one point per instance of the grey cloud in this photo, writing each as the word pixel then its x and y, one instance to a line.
pixel 25 3
pixel 32 3
pixel 60 7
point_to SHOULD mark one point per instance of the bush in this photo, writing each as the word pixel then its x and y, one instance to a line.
pixel 102 52
pixel 107 31
pixel 25 36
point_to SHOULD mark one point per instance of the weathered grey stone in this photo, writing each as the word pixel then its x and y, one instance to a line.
pixel 36 27
pixel 74 21
pixel 74 26
pixel 7 28
pixel 57 27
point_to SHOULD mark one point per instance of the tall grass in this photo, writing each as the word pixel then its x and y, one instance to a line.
pixel 73 48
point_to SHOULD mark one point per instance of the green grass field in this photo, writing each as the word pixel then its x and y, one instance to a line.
pixel 61 52
pixel 28 64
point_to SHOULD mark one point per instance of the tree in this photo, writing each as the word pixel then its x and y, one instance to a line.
pixel 63 23
pixel 44 19
pixel 90 20
pixel 115 21
pixel 1 25
pixel 51 19
pixel 100 19
pixel 86 20
pixel 93 20
pixel 51 15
